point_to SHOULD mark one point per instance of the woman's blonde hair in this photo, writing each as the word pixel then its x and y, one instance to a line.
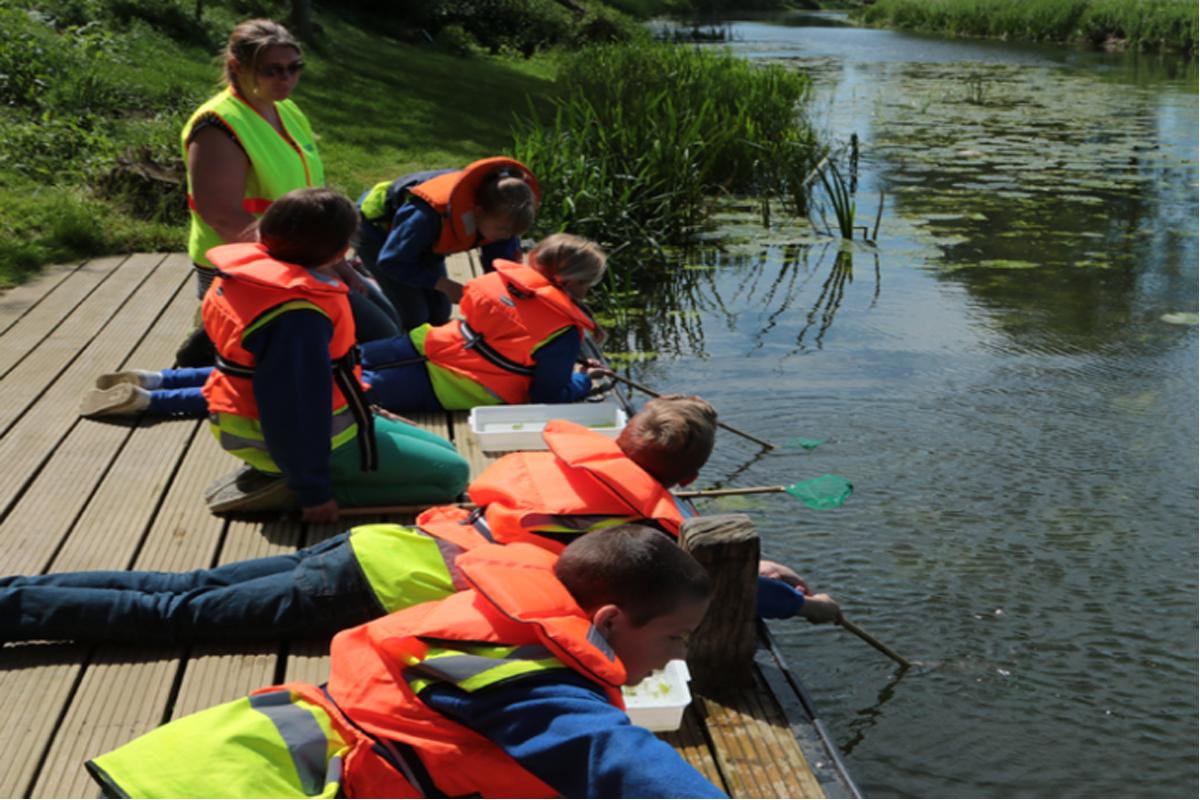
pixel 569 258
pixel 249 40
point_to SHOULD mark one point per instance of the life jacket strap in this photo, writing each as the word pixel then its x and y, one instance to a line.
pixel 356 400
pixel 474 341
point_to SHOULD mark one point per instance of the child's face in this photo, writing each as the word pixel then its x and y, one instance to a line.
pixel 643 649
pixel 493 228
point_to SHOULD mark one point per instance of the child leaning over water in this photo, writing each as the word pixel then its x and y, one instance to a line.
pixel 286 396
pixel 409 225
pixel 584 483
pixel 510 688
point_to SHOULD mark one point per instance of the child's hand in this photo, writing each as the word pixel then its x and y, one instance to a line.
pixel 326 512
pixel 820 608
pixel 782 572
pixel 451 288
pixel 380 411
pixel 595 370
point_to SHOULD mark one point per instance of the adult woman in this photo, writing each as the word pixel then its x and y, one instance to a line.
pixel 246 146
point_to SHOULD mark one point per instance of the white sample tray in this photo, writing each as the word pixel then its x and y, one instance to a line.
pixel 520 427
pixel 658 702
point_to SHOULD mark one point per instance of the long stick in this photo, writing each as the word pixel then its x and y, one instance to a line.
pixel 724 492
pixel 878 645
pixel 370 511
pixel 729 428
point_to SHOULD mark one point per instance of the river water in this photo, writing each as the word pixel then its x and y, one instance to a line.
pixel 1009 378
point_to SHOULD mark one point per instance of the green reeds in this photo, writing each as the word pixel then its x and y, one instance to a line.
pixel 641 135
pixel 841 199
pixel 1146 24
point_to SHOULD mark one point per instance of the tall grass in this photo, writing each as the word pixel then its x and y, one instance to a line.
pixel 641 135
pixel 1145 24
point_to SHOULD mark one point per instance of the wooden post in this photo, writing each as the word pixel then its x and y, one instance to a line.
pixel 721 651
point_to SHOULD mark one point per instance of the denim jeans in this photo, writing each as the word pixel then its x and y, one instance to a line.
pixel 312 593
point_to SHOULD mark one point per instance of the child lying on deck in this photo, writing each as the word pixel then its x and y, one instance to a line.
pixel 584 483
pixel 510 688
pixel 519 342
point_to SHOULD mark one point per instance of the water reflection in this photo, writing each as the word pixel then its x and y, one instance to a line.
pixel 799 286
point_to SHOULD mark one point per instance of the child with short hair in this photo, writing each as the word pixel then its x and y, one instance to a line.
pixel 585 482
pixel 409 225
pixel 510 688
pixel 286 395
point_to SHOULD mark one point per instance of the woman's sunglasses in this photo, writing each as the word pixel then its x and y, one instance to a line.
pixel 281 70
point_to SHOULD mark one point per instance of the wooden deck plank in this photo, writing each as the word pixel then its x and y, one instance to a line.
pixel 107 525
pixel 754 746
pixel 33 311
pixel 18 301
pixel 38 680
pixel 691 743
pixel 122 695
pixel 468 444
pixel 184 536
pixel 65 345
pixel 28 443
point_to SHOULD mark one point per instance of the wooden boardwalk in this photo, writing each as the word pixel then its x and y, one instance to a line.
pixel 78 494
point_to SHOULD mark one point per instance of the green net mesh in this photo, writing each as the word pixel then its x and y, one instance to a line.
pixel 827 491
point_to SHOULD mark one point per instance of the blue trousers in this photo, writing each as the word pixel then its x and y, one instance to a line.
pixel 312 593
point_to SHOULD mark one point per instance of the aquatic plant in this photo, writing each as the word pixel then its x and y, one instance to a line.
pixel 641 136
pixel 1149 24
pixel 841 198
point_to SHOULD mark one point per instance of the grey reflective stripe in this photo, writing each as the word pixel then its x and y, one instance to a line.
pixel 597 639
pixel 531 652
pixel 305 739
pixel 451 551
pixel 456 669
pixel 342 421
pixel 231 441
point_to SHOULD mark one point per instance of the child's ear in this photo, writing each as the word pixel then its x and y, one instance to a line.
pixel 605 619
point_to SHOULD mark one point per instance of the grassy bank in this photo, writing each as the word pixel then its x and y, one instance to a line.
pixel 90 114
pixel 1143 24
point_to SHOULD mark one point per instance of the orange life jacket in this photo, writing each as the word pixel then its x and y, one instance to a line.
pixel 251 289
pixel 508 314
pixel 452 195
pixel 582 484
pixel 516 619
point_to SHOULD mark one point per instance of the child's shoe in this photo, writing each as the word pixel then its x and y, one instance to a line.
pixel 246 490
pixel 121 400
pixel 138 377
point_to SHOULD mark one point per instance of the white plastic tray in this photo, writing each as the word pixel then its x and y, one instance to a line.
pixel 520 427
pixel 658 702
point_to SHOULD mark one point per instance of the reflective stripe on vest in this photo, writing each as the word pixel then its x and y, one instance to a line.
pixel 307 742
pixel 405 566
pixel 475 667
pixel 275 744
pixel 243 437
pixel 277 165
pixel 454 391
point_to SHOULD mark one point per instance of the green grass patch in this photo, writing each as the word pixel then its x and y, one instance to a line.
pixel 90 100
pixel 1144 24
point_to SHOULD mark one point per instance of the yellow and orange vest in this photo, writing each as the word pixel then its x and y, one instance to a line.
pixel 250 291
pixel 278 164
pixel 508 314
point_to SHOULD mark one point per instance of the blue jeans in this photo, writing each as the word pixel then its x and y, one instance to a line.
pixel 312 593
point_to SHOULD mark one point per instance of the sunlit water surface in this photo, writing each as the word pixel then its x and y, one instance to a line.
pixel 1010 381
